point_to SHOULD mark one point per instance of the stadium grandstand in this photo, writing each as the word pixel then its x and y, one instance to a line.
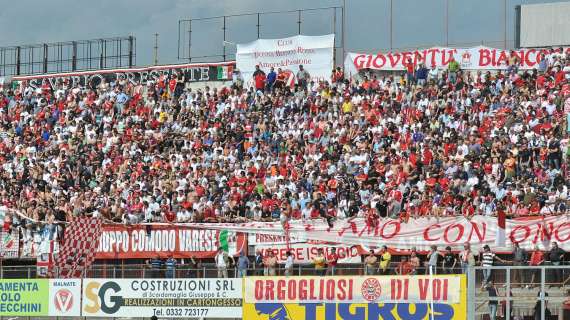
pixel 423 184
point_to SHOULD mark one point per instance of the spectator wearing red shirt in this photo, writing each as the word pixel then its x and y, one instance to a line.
pixel 332 260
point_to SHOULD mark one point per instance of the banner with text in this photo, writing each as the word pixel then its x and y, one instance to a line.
pixel 476 58
pixel 9 244
pixel 192 72
pixel 41 297
pixel 423 232
pixel 315 53
pixel 351 297
pixel 303 253
pixel 127 242
pixel 164 298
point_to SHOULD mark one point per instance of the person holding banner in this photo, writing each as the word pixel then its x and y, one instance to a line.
pixel 259 79
pixel 385 259
pixel 453 70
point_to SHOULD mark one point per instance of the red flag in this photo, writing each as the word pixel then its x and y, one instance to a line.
pixel 77 252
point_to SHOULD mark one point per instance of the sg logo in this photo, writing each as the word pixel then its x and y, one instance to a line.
pixel 102 297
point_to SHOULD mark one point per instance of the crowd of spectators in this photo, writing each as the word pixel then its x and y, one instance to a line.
pixel 431 143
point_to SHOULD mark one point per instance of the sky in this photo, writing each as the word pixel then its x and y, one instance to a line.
pixel 416 23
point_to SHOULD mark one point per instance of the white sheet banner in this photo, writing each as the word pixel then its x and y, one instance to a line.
pixel 315 53
pixel 423 232
pixel 476 58
pixel 303 253
pixel 164 298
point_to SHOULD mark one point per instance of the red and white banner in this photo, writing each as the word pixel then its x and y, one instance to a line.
pixel 476 58
pixel 423 232
pixel 303 253
pixel 354 289
pixel 146 241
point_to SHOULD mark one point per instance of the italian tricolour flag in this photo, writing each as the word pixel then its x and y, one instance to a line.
pixel 225 72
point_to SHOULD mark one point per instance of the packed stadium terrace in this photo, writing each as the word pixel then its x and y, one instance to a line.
pixel 439 142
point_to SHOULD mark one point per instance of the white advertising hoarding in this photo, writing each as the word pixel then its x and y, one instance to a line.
pixel 315 53
pixel 164 298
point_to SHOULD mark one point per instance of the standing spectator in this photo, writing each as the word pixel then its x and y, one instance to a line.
pixel 449 261
pixel 370 263
pixel 193 266
pixel 332 261
pixel 467 258
pixel 433 74
pixel 222 263
pixel 270 263
pixel 170 264
pixel 258 263
pixel 242 265
pixel 385 259
pixel 271 78
pixel 404 267
pixel 433 259
pixel 415 262
pixel 453 69
pixel 487 261
pixel 493 302
pixel 519 259
pixel 536 259
pixel 303 77
pixel 289 264
pixel 421 75
pixel 155 265
pixel 259 79
pixel 556 257
pixel 409 72
pixel 320 262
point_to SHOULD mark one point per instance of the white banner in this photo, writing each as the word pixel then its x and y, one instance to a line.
pixel 315 53
pixel 423 232
pixel 476 58
pixel 303 253
pixel 164 298
pixel 354 289
pixel 64 297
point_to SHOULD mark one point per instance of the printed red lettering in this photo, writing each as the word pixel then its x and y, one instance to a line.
pixel 330 290
pixel 258 290
pixel 458 236
pixel 423 285
pixel 292 290
pixel 558 231
pixel 281 286
pixel 396 230
pixel 302 289
pixel 361 61
pixel 427 230
pixel 269 294
pixel 484 57
pixel 379 61
pixel 516 230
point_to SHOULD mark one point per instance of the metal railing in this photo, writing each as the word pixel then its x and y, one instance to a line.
pixel 523 291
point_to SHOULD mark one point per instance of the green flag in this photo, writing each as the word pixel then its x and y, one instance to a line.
pixel 223 239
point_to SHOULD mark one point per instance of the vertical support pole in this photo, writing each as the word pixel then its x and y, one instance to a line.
pixel 447 23
pixel 101 63
pixel 391 25
pixel 258 25
pixel 508 293
pixel 299 21
pixel 224 43
pixel 471 287
pixel 45 60
pixel 156 49
pixel 178 53
pixel 505 23
pixel 541 294
pixel 343 28
pixel 18 60
pixel 334 32
pixel 189 40
pixel 74 56
pixel 131 51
